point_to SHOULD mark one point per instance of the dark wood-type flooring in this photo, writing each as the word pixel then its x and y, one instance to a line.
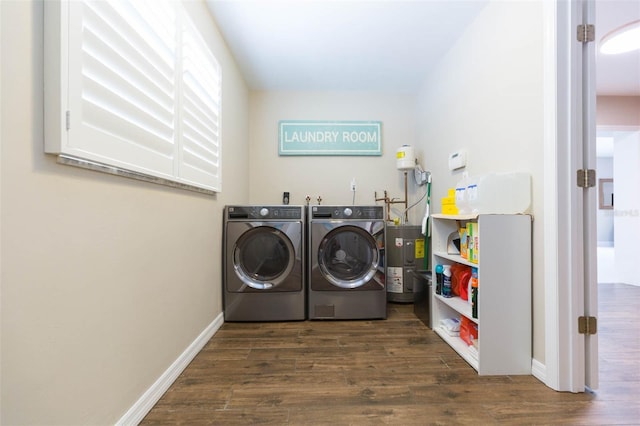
pixel 395 371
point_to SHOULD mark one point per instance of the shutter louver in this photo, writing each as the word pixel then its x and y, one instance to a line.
pixel 200 136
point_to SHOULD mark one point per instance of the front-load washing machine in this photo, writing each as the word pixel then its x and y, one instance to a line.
pixel 346 262
pixel 263 263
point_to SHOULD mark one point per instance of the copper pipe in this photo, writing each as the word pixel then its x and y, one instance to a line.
pixel 406 199
pixel 388 201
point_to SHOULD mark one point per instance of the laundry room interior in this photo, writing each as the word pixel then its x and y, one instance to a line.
pixel 111 284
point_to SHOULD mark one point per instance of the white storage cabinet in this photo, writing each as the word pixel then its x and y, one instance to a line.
pixel 504 292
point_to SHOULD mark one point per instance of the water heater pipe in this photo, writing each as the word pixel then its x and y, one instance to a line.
pixel 388 201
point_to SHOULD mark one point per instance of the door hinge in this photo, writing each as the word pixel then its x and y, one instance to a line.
pixel 68 120
pixel 586 178
pixel 586 33
pixel 587 325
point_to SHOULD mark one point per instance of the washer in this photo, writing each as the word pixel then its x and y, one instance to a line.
pixel 264 263
pixel 346 262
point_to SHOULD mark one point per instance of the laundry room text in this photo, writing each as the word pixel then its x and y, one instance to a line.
pixel 330 138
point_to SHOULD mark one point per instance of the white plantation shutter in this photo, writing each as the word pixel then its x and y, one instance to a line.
pixel 142 90
pixel 200 102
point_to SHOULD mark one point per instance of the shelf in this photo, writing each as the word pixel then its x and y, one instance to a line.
pixel 456 258
pixel 504 299
pixel 457 304
pixel 470 216
pixel 459 346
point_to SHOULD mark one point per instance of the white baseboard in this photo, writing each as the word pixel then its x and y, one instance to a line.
pixel 146 402
pixel 539 371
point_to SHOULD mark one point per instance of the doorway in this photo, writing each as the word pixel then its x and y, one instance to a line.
pixel 618 159
pixel 617 207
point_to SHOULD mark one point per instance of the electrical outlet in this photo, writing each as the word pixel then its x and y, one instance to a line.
pixel 353 185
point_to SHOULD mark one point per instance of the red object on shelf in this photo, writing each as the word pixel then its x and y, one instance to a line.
pixel 468 330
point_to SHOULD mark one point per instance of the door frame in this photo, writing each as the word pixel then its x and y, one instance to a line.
pixel 589 204
pixel 565 277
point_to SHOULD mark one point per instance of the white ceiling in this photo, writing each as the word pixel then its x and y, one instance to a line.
pixel 340 45
pixel 617 74
pixel 381 45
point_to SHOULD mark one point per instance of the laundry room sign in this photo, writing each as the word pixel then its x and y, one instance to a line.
pixel 330 138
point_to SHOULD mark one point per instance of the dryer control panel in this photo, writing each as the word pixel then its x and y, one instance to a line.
pixel 264 212
pixel 347 212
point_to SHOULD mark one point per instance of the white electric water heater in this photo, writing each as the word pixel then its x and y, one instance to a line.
pixel 405 158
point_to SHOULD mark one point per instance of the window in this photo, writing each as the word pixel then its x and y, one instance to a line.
pixel 131 86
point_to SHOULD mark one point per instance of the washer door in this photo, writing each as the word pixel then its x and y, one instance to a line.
pixel 263 259
pixel 348 257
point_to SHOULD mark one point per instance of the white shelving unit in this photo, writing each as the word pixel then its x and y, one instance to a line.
pixel 504 296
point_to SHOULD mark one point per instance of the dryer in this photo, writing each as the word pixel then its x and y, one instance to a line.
pixel 346 262
pixel 263 263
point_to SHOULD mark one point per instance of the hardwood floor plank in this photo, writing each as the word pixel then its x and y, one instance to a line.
pixel 619 391
pixel 315 353
pixel 566 413
pixel 213 353
pixel 196 397
pixel 320 395
pixel 270 343
pixel 295 380
pixel 255 416
pixel 228 344
pixel 494 392
pixel 415 415
pixel 621 369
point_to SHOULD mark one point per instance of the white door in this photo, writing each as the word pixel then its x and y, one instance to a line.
pixel 590 198
pixel 571 358
pixel 583 210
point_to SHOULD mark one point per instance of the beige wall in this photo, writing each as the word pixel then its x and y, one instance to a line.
pixel 486 96
pixel 105 281
pixel 330 177
pixel 618 111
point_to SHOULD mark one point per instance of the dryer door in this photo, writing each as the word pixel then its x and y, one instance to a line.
pixel 264 258
pixel 348 258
